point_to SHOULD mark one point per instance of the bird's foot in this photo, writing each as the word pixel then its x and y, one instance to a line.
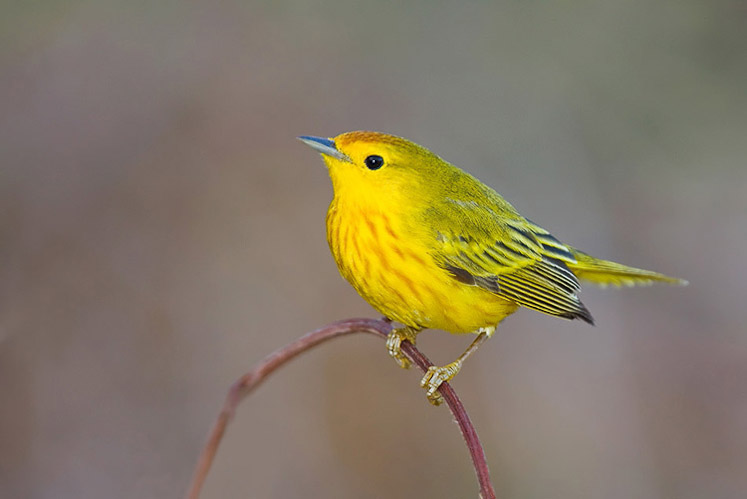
pixel 435 377
pixel 394 341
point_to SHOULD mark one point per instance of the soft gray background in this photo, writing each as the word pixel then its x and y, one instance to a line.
pixel 161 230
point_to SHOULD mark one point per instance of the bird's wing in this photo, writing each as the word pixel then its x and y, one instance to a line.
pixel 499 250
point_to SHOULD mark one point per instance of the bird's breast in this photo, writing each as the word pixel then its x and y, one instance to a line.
pixel 391 267
pixel 381 260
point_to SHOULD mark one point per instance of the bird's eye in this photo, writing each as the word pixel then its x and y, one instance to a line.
pixel 374 162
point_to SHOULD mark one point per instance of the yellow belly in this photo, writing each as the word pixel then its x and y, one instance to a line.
pixel 399 278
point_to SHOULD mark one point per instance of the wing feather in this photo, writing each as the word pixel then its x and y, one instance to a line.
pixel 507 255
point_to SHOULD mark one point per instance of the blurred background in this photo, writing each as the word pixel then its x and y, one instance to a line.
pixel 161 230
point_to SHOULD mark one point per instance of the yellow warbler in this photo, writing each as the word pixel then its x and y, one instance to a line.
pixel 430 246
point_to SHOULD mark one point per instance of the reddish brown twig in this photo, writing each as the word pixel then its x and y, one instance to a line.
pixel 244 386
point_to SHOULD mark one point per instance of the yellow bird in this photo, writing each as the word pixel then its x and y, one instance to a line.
pixel 430 246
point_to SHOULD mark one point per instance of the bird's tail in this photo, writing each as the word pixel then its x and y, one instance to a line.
pixel 605 273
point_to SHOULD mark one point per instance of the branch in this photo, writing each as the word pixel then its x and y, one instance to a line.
pixel 248 382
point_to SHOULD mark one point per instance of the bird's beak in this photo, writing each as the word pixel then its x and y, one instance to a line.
pixel 324 146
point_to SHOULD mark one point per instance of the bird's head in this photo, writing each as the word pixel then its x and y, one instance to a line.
pixel 372 165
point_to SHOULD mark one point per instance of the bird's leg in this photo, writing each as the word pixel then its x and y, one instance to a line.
pixel 437 375
pixel 395 339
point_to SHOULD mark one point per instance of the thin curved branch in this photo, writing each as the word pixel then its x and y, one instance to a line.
pixel 248 382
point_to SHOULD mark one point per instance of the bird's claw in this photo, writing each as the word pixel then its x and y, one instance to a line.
pixel 394 341
pixel 435 377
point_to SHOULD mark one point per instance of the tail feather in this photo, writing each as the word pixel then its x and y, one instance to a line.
pixel 605 273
